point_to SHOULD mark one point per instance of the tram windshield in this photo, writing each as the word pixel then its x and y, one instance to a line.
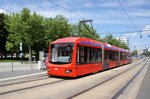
pixel 61 53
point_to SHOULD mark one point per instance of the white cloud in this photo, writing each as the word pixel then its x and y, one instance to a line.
pixel 108 4
pixel 134 3
pixel 2 11
pixel 146 29
pixel 52 13
pixel 133 34
pixel 99 3
pixel 89 4
pixel 100 11
pixel 141 13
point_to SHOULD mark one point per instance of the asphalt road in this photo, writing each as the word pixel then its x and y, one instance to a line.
pixel 144 92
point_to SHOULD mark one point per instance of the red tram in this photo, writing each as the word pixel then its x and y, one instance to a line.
pixel 76 56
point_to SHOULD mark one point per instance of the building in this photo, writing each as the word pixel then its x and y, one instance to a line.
pixel 149 49
pixel 145 50
pixel 140 52
pixel 124 40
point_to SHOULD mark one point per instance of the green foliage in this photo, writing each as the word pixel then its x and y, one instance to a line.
pixel 24 27
pixel 147 53
pixel 80 30
pixel 57 27
pixel 3 34
pixel 14 26
pixel 135 52
pixel 10 46
pixel 113 41
pixel 35 31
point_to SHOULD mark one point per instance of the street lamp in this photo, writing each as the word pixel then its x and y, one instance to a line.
pixel 21 53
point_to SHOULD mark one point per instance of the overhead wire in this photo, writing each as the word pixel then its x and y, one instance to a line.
pixel 127 14
pixel 72 12
pixel 66 9
pixel 107 32
pixel 127 32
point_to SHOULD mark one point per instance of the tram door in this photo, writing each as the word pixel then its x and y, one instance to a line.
pixel 106 60
pixel 88 60
pixel 105 63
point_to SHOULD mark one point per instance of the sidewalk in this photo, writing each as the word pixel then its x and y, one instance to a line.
pixel 16 69
pixel 10 74
pixel 16 66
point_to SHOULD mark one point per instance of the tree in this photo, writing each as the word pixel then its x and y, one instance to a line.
pixel 33 31
pixel 25 28
pixel 113 41
pixel 14 26
pixel 147 53
pixel 57 27
pixel 135 52
pixel 81 30
pixel 3 35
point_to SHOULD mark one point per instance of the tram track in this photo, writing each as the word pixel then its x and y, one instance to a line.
pixel 15 87
pixel 56 83
pixel 128 83
pixel 2 93
pixel 23 81
pixel 94 86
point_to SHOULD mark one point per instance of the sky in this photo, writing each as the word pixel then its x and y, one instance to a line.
pixel 108 16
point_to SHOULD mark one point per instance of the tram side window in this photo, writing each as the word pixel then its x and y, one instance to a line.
pixel 100 55
pixel 88 55
pixel 106 56
pixel 126 56
pixel 121 56
pixel 116 56
pixel 92 58
pixel 111 56
pixel 95 55
pixel 81 54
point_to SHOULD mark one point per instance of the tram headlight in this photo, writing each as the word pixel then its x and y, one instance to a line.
pixel 68 71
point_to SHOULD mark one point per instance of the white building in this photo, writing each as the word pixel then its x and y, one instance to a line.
pixel 140 52
pixel 149 49
pixel 124 40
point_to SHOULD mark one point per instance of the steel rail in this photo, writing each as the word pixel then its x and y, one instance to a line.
pixel 128 83
pixel 77 94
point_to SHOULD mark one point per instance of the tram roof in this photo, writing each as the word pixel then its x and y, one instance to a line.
pixel 83 40
pixel 67 39
pixel 75 39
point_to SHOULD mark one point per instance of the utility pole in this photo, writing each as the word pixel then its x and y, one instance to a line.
pixel 21 53
pixel 84 23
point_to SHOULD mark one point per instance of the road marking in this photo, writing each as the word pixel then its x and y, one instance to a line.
pixel 11 78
